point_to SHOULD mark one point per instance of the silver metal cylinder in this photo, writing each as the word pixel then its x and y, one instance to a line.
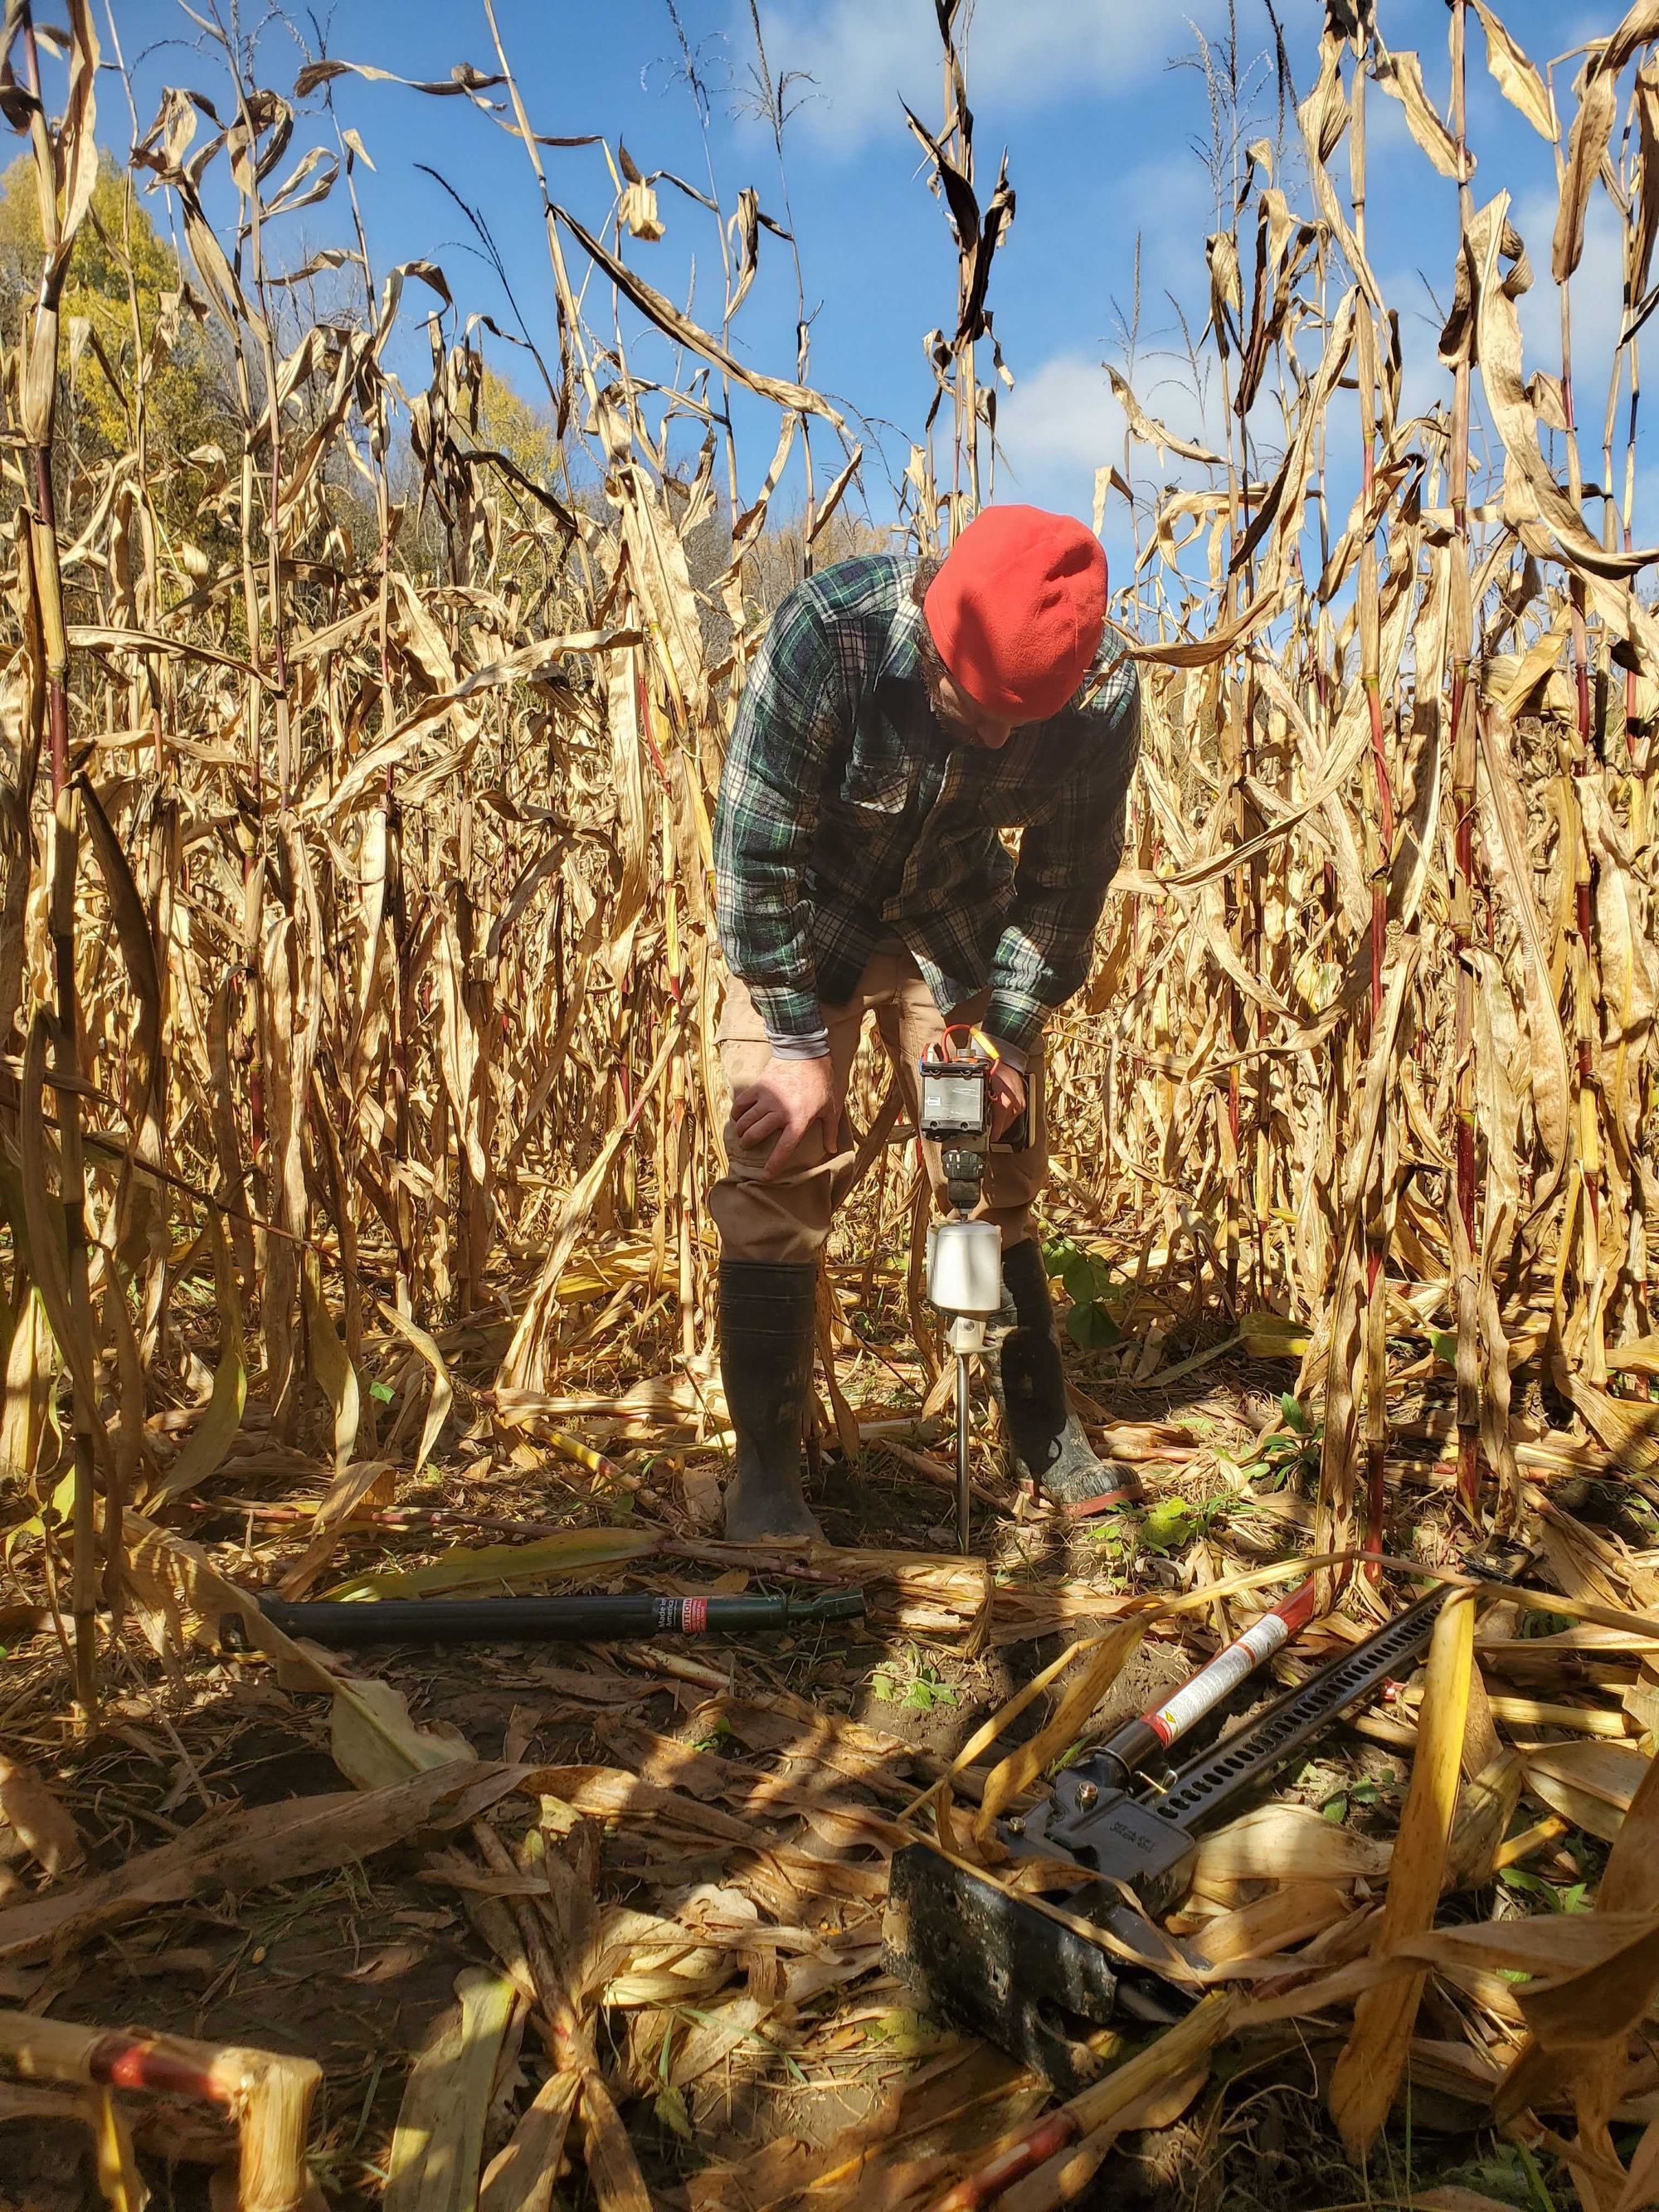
pixel 964 1268
pixel 964 1487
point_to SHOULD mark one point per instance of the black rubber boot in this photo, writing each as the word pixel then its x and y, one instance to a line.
pixel 1046 1440
pixel 768 1311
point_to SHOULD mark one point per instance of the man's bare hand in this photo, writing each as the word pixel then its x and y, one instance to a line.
pixel 1007 1098
pixel 790 1096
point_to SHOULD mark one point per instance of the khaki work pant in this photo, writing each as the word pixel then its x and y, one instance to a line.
pixel 788 1219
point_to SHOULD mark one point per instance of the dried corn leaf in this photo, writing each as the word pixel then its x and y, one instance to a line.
pixel 669 320
pixel 1368 2069
pixel 1287 1842
pixel 1516 77
pixel 123 2188
pixel 40 1824
pixel 572 1551
pixel 213 1435
pixel 376 1744
pixel 1012 1776
pixel 330 1363
pixel 1400 75
pixel 1513 414
pixel 1587 148
pixel 1591 1784
pixel 438 2145
pixel 443 1391
pixel 235 1849
pixel 521 2175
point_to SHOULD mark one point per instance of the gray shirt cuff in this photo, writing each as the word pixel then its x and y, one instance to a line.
pixel 807 1044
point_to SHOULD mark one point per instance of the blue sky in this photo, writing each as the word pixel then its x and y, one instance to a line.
pixel 1099 129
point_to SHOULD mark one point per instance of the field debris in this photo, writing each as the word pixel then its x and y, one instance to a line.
pixel 359 740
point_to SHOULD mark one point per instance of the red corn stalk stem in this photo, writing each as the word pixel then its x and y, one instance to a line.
pixel 46 518
pixel 1372 680
pixel 1253 944
pixel 1581 674
pixel 256 1089
pixel 278 657
pixel 65 1047
pixel 267 2095
pixel 1588 1134
pixel 1630 695
pixel 1050 2136
pixel 1236 915
pixel 1376 1427
pixel 399 1071
pixel 1373 1336
pixel 1232 1027
pixel 1584 1002
pixel 1640 798
pixel 1463 1204
pixel 250 833
pixel 1256 948
pixel 1468 1399
pixel 1105 2104
pixel 1461 1224
pixel 1584 1022
pixel 402 1126
pixel 1629 496
pixel 40 395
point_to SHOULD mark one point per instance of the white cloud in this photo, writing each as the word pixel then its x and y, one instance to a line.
pixel 864 55
pixel 1171 202
pixel 1423 379
pixel 1057 427
pixel 1596 290
pixel 1062 422
pixel 1597 294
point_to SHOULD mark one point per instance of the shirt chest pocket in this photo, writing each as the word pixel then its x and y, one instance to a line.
pixel 879 789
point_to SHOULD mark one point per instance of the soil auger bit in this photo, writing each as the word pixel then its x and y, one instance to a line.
pixel 1001 1968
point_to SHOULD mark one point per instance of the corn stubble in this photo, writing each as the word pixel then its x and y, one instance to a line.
pixel 356 956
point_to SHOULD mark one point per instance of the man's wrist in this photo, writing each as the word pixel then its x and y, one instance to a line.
pixel 806 1044
pixel 1011 1055
pixel 1014 1022
pixel 791 1019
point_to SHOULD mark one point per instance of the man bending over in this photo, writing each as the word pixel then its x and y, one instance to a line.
pixel 897 716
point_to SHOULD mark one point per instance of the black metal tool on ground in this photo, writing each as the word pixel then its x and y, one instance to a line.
pixel 607 1620
pixel 1000 1968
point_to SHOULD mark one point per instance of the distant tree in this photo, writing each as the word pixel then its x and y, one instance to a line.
pixel 777 560
pixel 527 434
pixel 123 309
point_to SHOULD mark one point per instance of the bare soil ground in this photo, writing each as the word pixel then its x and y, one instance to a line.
pixel 777 2072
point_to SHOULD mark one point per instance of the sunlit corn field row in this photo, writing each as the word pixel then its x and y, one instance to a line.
pixel 358 980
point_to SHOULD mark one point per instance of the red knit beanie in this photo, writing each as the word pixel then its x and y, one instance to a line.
pixel 1018 607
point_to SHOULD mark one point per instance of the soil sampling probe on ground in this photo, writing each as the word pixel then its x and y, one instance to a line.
pixel 964 1256
pixel 627 1618
pixel 1001 1968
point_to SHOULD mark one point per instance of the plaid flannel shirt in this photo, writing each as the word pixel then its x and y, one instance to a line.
pixel 845 817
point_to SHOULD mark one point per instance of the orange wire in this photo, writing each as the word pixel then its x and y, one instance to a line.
pixel 975 1037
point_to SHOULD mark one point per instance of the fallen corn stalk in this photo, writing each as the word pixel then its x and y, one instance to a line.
pixel 267 2096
